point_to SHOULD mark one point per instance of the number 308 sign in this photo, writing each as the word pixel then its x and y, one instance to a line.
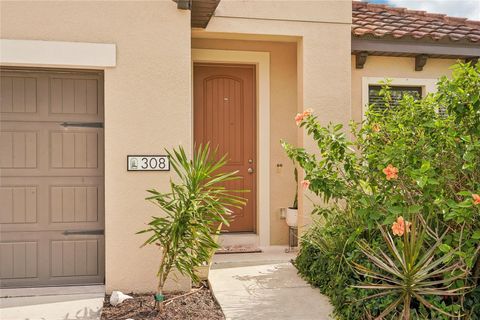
pixel 148 163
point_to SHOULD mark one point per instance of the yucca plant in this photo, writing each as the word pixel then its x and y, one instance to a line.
pixel 411 270
pixel 193 209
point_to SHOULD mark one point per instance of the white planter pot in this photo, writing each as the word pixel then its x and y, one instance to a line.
pixel 292 217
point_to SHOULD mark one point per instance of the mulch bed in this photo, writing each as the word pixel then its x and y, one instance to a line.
pixel 196 306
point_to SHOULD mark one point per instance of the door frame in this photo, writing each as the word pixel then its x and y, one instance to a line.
pixel 262 62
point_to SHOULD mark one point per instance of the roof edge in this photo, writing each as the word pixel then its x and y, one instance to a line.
pixel 447 19
pixel 394 46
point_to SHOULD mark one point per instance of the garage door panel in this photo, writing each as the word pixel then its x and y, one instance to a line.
pixel 76 152
pixel 75 258
pixel 51 203
pixel 37 96
pixel 19 94
pixel 19 149
pixel 19 204
pixel 74 203
pixel 18 260
pixel 74 149
pixel 24 96
pixel 74 96
pixel 28 259
pixel 22 146
pixel 48 149
pixel 51 186
pixel 50 258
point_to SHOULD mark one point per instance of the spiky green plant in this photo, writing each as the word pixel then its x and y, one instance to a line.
pixel 411 270
pixel 193 209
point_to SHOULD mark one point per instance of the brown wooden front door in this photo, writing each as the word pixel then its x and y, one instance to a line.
pixel 224 112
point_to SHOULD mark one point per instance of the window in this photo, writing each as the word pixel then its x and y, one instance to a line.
pixel 422 87
pixel 397 93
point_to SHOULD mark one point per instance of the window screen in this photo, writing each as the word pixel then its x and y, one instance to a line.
pixel 397 93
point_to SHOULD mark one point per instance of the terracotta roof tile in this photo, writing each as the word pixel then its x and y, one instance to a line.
pixel 380 20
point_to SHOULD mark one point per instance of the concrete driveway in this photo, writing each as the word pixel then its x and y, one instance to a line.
pixel 52 303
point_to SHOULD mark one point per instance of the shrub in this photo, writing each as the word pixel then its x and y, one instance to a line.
pixel 420 158
pixel 192 211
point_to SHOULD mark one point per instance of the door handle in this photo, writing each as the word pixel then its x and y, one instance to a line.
pixel 250 170
pixel 84 232
pixel 82 124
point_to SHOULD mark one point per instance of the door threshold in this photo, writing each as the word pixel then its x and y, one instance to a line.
pixel 237 232
pixel 239 239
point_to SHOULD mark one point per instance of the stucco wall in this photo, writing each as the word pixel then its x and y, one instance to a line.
pixel 147 107
pixel 283 107
pixel 152 79
pixel 392 67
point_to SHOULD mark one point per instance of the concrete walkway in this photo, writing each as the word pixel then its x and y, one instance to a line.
pixel 265 286
pixel 54 303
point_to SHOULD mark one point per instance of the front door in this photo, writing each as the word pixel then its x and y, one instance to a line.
pixel 224 112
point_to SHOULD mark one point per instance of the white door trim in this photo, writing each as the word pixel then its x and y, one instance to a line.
pixel 39 53
pixel 262 61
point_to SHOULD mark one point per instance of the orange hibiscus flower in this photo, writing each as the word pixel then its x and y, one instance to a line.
pixel 399 227
pixel 305 184
pixel 476 199
pixel 300 116
pixel 391 172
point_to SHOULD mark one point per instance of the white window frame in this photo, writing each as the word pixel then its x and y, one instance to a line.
pixel 427 85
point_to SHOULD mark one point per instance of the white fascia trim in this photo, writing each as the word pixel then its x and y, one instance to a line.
pixel 262 61
pixel 57 54
pixel 428 86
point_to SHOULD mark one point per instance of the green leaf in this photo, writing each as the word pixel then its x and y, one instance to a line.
pixel 422 181
pixel 425 166
pixel 416 208
pixel 395 210
pixel 389 220
pixel 445 248
pixel 476 235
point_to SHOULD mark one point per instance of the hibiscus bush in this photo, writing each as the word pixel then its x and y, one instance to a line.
pixel 416 160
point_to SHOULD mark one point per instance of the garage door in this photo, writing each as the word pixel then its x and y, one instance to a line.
pixel 51 188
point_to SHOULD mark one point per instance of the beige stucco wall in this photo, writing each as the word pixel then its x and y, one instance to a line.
pixel 147 107
pixel 392 67
pixel 152 79
pixel 283 107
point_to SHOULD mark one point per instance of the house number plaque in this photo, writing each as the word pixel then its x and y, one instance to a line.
pixel 148 163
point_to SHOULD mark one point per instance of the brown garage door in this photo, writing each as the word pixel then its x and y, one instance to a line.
pixel 51 188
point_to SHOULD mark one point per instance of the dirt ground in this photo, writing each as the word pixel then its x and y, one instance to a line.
pixel 197 306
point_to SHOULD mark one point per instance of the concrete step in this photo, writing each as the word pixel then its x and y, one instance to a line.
pixel 269 255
